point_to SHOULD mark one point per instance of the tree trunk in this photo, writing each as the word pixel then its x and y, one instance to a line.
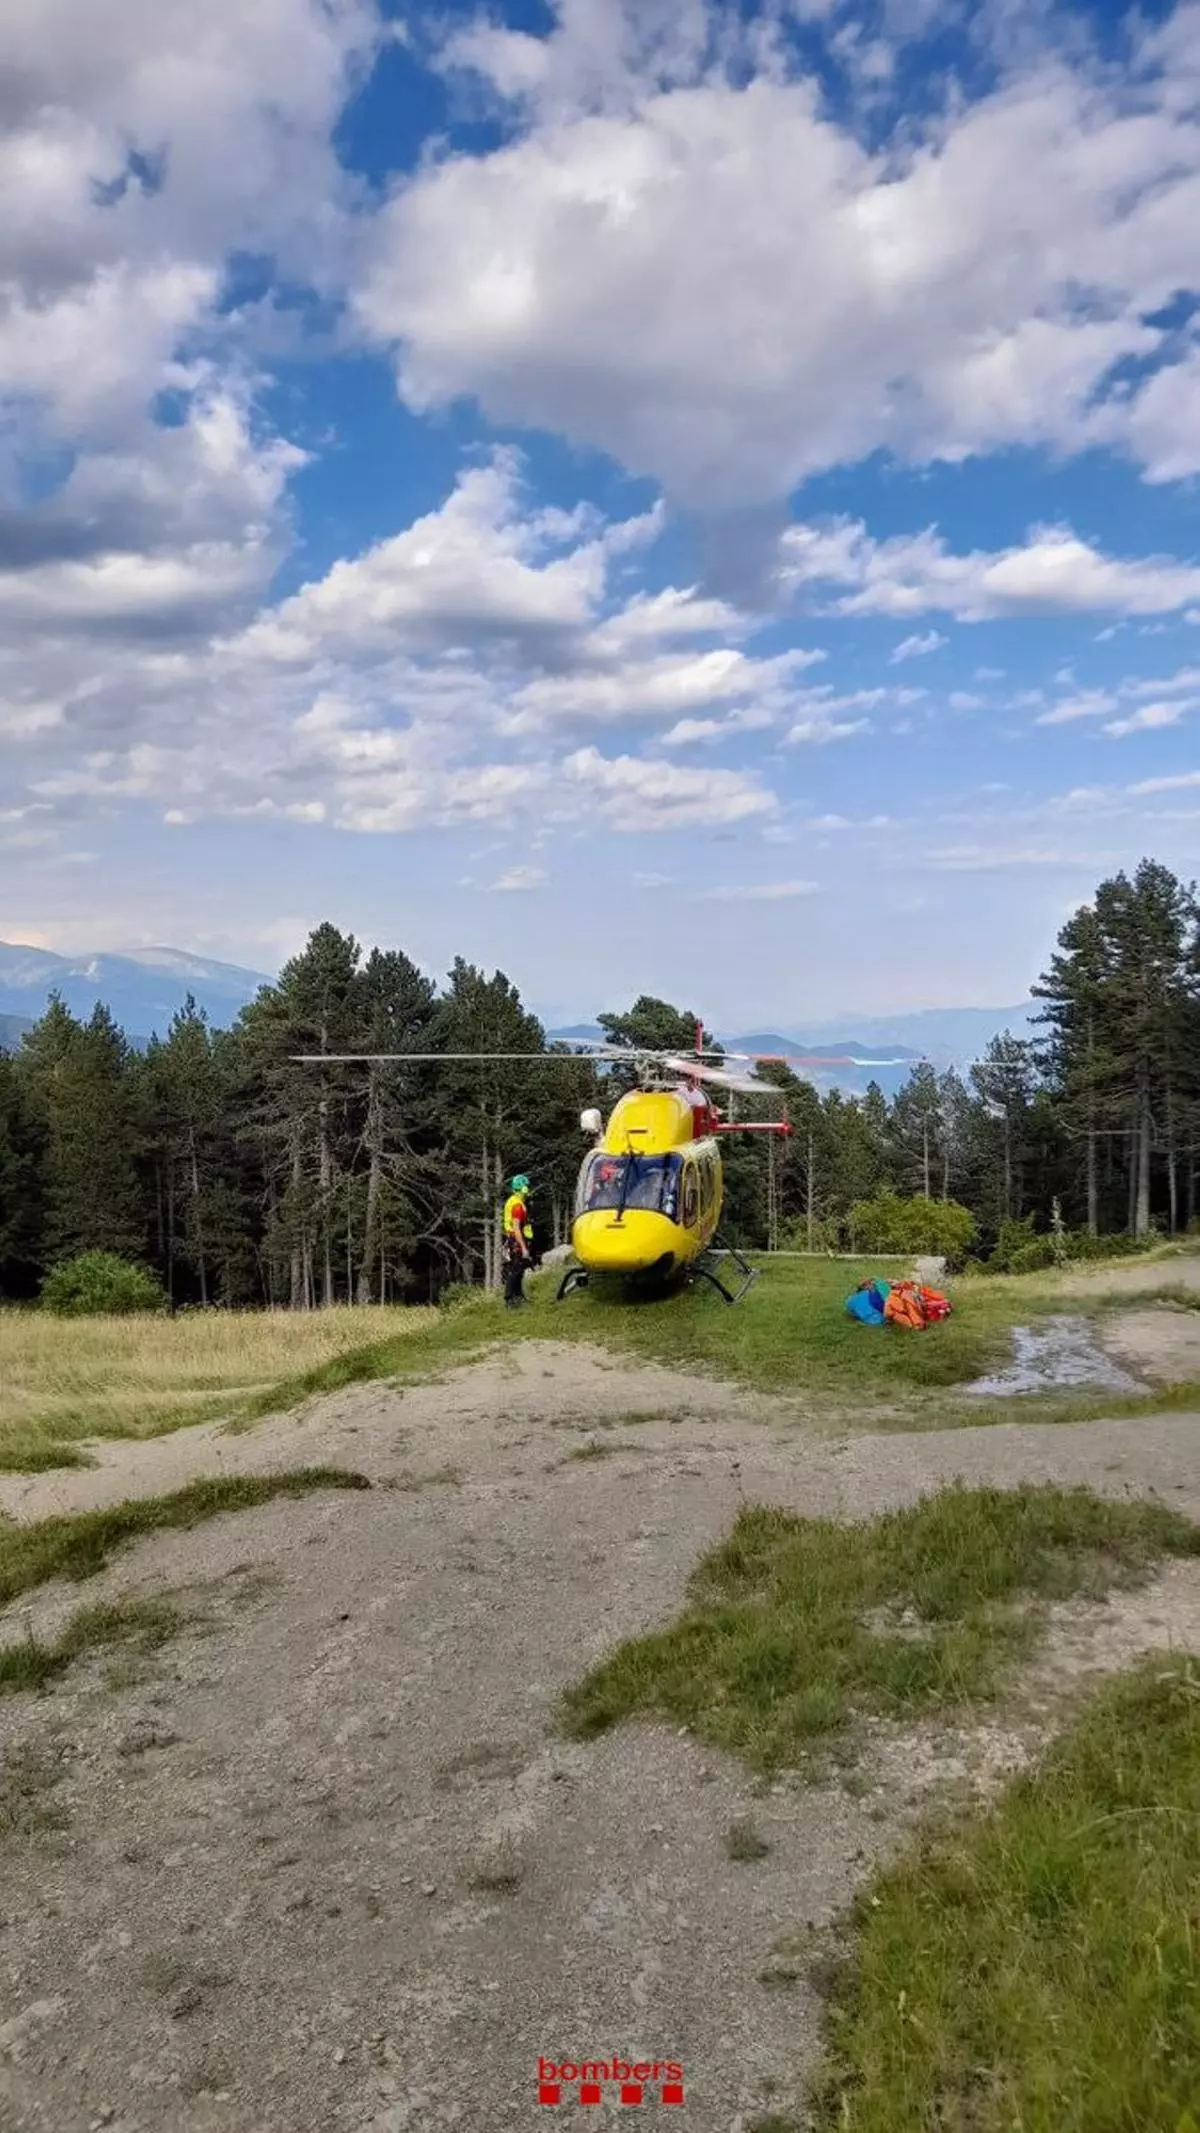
pixel 371 1253
pixel 489 1236
pixel 1172 1177
pixel 298 1295
pixel 158 1210
pixel 925 1159
pixel 1008 1168
pixel 170 1230
pixel 1093 1188
pixel 1142 1225
pixel 810 1193
pixel 497 1224
pixel 201 1267
pixel 325 1162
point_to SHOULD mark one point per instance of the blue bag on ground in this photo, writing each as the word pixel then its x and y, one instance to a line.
pixel 867 1302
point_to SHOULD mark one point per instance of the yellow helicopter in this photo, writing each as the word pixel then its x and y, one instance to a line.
pixel 650 1189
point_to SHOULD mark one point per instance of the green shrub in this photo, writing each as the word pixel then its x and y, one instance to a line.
pixel 888 1223
pixel 460 1296
pixel 1122 1246
pixel 101 1285
pixel 1031 1258
pixel 1013 1237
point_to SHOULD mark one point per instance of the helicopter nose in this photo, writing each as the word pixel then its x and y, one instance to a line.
pixel 625 1244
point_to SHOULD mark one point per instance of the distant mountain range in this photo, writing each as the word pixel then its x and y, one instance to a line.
pixel 143 987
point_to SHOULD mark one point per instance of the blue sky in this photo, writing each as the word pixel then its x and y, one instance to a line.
pixel 679 497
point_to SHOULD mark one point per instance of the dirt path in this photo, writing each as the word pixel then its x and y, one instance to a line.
pixel 1182 1272
pixel 327 1870
pixel 405 1431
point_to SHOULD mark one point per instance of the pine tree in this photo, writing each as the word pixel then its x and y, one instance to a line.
pixel 918 1131
pixel 21 1212
pixel 1004 1080
pixel 81 1092
pixel 489 1111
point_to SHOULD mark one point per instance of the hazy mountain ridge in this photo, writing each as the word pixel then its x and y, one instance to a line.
pixel 143 988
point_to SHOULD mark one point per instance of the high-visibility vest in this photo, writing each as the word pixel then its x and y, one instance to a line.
pixel 516 1217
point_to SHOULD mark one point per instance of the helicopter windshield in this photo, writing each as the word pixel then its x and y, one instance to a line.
pixel 649 1183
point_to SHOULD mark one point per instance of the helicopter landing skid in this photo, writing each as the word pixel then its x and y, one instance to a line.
pixel 574 1278
pixel 717 1253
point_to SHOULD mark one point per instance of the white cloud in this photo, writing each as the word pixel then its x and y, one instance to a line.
pixel 1090 703
pixel 126 205
pixel 1052 572
pixel 444 677
pixel 763 892
pixel 674 683
pixel 637 793
pixel 518 879
pixel 478 565
pixel 1184 683
pixel 917 647
pixel 1179 783
pixel 819 731
pixel 1149 719
pixel 688 731
pixel 608 269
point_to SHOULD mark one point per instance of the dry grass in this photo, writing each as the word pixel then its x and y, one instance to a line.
pixel 62 1379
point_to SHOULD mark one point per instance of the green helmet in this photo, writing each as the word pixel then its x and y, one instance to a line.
pixel 521 1183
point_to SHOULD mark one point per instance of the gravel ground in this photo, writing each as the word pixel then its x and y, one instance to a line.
pixel 326 1869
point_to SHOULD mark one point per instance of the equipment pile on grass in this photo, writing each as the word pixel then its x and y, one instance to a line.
pixel 898 1303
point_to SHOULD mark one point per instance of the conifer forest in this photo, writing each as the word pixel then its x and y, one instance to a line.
pixel 244 1178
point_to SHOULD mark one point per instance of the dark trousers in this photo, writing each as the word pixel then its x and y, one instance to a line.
pixel 515 1263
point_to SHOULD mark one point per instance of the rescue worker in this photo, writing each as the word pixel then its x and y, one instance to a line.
pixel 518 1241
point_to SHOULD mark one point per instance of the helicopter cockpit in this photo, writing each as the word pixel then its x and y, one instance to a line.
pixel 648 1183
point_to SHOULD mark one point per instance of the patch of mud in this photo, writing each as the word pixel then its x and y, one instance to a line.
pixel 1163 1343
pixel 1056 1355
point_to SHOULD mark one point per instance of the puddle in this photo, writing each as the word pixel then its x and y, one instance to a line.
pixel 1052 1357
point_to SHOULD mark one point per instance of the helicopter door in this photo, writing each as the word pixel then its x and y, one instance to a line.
pixel 691 1196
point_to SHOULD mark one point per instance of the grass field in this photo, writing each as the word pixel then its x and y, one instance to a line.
pixel 1038 1966
pixel 790 1334
pixel 66 1378
pixel 62 1380
pixel 798 1625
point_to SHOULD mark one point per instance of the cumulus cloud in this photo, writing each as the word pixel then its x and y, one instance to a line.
pixel 143 148
pixel 1052 572
pixel 445 677
pixel 638 793
pixel 678 252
